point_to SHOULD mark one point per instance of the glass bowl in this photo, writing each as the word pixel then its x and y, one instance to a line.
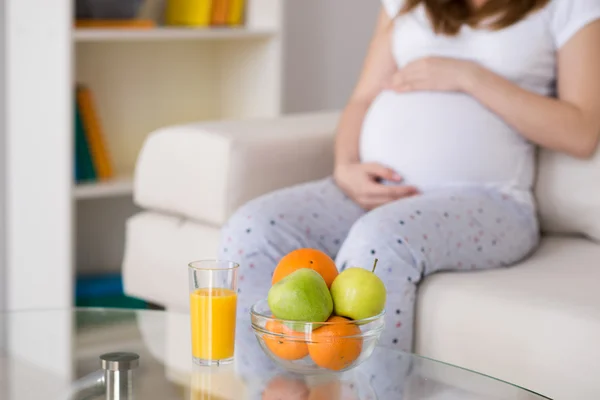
pixel 315 347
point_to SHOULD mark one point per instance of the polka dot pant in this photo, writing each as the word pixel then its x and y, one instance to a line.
pixel 445 229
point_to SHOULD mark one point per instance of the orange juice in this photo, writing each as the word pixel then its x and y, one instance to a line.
pixel 213 313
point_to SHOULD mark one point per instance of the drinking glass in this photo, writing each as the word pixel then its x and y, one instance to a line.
pixel 213 303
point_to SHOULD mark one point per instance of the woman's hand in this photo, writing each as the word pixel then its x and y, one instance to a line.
pixel 435 74
pixel 361 183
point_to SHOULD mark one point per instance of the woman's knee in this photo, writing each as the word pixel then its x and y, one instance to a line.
pixel 249 221
pixel 243 216
pixel 279 219
pixel 257 227
pixel 376 236
pixel 376 229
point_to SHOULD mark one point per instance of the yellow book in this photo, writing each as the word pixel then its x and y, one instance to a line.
pixel 235 15
pixel 189 12
pixel 94 134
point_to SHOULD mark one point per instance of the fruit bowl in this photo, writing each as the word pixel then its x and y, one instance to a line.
pixel 315 347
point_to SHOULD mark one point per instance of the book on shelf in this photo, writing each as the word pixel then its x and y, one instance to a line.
pixel 188 13
pixel 117 14
pixel 235 15
pixel 94 133
pixel 92 160
pixel 84 167
pixel 114 24
pixel 220 9
pixel 204 13
pixel 104 290
pixel 191 13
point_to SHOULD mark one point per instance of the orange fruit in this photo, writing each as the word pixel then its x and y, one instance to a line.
pixel 285 388
pixel 293 348
pixel 306 258
pixel 331 347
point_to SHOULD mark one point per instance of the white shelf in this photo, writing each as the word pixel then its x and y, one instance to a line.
pixel 146 79
pixel 120 186
pixel 159 34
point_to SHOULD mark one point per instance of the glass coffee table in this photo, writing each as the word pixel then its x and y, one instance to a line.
pixel 147 355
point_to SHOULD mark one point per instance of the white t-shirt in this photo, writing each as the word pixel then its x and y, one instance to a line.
pixel 436 139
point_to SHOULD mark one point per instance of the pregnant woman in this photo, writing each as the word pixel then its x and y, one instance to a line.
pixel 435 151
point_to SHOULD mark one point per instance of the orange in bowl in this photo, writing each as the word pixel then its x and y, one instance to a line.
pixel 290 347
pixel 336 345
pixel 306 258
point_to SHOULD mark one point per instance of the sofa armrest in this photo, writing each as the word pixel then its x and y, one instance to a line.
pixel 205 171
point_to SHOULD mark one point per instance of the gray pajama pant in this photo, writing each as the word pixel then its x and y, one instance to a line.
pixel 467 228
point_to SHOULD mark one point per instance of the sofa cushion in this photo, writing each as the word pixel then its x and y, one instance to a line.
pixel 205 171
pixel 536 324
pixel 568 194
pixel 158 249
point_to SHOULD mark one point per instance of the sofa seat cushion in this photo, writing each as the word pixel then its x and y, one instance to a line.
pixel 205 171
pixel 536 324
pixel 158 249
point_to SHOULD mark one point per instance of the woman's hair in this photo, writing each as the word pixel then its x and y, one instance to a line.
pixel 448 16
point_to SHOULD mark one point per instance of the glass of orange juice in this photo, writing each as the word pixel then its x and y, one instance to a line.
pixel 213 302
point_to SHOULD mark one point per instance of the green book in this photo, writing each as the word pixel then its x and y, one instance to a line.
pixel 84 166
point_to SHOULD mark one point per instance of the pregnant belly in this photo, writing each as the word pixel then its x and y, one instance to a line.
pixel 436 139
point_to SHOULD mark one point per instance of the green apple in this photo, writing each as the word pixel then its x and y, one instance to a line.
pixel 358 293
pixel 301 296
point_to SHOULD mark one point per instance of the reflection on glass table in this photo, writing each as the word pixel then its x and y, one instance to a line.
pixel 56 355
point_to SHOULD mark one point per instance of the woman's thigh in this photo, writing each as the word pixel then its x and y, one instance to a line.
pixel 464 228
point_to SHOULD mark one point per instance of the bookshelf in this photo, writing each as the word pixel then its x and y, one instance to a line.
pixel 146 79
pixel 141 81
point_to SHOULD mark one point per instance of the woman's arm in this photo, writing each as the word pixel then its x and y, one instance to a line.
pixel 378 68
pixel 570 124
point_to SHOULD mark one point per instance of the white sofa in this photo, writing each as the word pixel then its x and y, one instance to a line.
pixel 536 324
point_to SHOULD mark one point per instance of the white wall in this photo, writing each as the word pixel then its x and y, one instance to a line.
pixel 39 118
pixel 325 44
